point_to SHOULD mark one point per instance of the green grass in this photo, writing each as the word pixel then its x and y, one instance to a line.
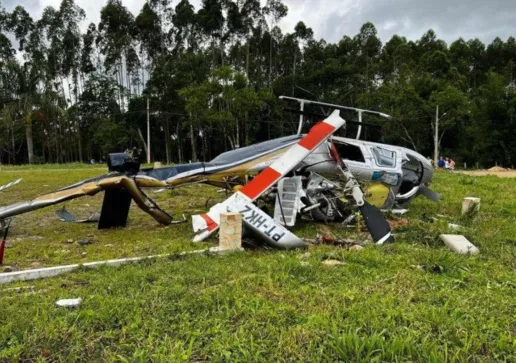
pixel 410 301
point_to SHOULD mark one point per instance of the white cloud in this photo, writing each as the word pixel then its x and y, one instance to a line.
pixel 332 19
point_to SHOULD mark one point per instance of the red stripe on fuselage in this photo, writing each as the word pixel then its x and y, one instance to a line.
pixel 317 134
pixel 210 223
pixel 260 183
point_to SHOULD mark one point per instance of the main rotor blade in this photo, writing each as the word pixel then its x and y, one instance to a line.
pixel 320 116
pixel 376 223
pixel 209 222
pixel 374 219
pixel 429 193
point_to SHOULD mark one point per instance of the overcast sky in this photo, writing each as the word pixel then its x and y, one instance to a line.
pixel 331 19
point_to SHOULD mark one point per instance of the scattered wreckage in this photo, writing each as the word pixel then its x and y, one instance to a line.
pixel 318 175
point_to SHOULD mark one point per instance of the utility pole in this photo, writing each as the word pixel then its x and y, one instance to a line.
pixel 436 136
pixel 148 132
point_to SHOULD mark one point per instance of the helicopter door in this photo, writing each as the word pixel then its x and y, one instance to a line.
pixel 412 175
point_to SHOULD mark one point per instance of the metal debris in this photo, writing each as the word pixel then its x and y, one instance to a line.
pixel 84 242
pixel 69 303
pixel 455 227
pixel 11 184
pixel 458 243
pixel 399 212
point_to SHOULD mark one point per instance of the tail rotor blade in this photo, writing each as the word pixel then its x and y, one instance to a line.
pixel 376 224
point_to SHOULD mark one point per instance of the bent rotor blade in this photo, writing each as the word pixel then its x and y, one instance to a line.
pixel 376 223
pixel 208 223
pixel 429 193
pixel 13 183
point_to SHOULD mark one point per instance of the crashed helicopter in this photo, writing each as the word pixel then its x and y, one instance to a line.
pixel 315 175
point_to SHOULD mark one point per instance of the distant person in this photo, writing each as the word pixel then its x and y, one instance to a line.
pixel 441 163
pixel 431 161
pixel 447 164
pixel 452 164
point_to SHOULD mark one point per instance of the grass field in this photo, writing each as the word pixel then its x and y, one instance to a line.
pixel 409 301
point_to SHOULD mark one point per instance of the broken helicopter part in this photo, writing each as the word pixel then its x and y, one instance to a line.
pixel 11 184
pixel 66 216
pixel 317 176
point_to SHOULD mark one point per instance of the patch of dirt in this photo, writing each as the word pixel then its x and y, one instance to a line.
pixel 396 223
pixel 496 171
pixel 326 231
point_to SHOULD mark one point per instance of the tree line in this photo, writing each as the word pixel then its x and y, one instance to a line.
pixel 212 76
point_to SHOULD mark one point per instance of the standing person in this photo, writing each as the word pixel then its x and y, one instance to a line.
pixel 452 164
pixel 441 162
pixel 447 164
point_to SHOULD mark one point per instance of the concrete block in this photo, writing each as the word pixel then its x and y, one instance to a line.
pixel 460 244
pixel 230 234
pixel 470 205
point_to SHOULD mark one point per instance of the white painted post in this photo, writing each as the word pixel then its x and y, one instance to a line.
pixel 230 235
pixel 470 205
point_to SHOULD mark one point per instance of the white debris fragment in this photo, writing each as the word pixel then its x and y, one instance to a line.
pixel 455 227
pixel 470 205
pixel 69 303
pixel 460 244
pixel 332 262
pixel 399 212
pixel 356 248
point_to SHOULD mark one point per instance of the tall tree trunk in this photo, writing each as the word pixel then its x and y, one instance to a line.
pixel 294 74
pixel 78 127
pixel 246 128
pixel 180 154
pixel 192 140
pixel 12 142
pixel 247 61
pixel 237 143
pixel 30 140
pixel 167 141
pixel 436 136
pixel 221 50
pixel 270 62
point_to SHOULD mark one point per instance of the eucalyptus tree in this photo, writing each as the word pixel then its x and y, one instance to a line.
pixel 185 22
pixel 275 10
pixel 115 39
pixel 149 33
pixel 211 21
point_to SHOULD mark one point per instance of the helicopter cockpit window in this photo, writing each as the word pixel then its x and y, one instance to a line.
pixel 350 152
pixel 384 157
